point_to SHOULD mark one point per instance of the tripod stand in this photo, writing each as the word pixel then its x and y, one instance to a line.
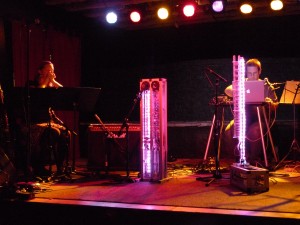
pixel 125 125
pixel 63 172
pixel 218 126
pixel 287 95
pixel 112 136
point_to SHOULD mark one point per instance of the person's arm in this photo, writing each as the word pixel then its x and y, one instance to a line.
pixel 228 91
pixel 43 81
pixel 272 104
pixel 272 99
pixel 55 84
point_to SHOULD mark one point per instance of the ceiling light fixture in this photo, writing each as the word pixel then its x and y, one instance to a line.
pixel 246 8
pixel 217 5
pixel 163 13
pixel 276 5
pixel 188 10
pixel 111 17
pixel 135 16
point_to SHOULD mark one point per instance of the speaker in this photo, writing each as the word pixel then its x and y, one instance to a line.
pixel 107 150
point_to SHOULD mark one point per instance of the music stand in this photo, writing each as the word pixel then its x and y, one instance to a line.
pixel 82 99
pixel 21 101
pixel 290 95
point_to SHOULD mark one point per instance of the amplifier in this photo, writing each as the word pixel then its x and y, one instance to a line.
pixel 250 179
pixel 107 150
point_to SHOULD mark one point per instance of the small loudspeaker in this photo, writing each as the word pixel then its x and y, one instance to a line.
pixel 108 151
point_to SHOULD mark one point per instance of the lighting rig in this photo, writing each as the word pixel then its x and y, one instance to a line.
pixel 186 10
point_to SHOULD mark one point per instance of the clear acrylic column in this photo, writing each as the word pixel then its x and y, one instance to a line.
pixel 154 133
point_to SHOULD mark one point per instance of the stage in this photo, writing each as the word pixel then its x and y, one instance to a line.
pixel 96 197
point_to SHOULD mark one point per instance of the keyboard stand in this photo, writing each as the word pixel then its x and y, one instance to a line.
pixel 212 129
pixel 258 108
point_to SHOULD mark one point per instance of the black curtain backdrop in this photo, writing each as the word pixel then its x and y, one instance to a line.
pixel 116 60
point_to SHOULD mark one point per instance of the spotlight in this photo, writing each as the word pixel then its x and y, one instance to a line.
pixel 163 13
pixel 246 8
pixel 135 16
pixel 276 5
pixel 217 5
pixel 189 10
pixel 111 17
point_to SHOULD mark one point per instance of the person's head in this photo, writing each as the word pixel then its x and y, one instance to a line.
pixel 253 69
pixel 45 68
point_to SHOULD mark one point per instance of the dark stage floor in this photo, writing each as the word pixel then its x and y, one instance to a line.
pixel 182 196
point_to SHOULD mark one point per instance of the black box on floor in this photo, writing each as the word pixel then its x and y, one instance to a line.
pixel 249 178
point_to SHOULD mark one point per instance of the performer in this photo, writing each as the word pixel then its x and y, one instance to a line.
pixel 47 136
pixel 254 150
pixel 46 76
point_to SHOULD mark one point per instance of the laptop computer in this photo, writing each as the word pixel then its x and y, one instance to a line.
pixel 254 92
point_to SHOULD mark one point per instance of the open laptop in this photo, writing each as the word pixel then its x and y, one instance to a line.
pixel 254 92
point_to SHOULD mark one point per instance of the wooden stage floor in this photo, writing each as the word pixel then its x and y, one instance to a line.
pixel 184 197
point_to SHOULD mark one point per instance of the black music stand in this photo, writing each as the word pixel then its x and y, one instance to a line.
pixel 290 95
pixel 21 101
pixel 82 99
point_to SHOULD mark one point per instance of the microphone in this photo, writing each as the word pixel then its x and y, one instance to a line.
pixel 267 81
pixel 278 83
pixel 54 117
pixel 272 84
pixel 216 74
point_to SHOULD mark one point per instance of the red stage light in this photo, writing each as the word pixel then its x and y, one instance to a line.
pixel 135 16
pixel 189 10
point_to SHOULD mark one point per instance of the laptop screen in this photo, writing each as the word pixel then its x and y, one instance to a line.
pixel 254 91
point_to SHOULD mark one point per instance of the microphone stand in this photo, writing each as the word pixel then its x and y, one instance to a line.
pixel 73 168
pixel 28 107
pixel 111 135
pixel 294 145
pixel 126 126
pixel 218 126
pixel 67 169
pixel 216 74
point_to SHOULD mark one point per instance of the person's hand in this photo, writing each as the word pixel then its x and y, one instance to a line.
pixel 51 76
pixel 272 104
pixel 269 100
